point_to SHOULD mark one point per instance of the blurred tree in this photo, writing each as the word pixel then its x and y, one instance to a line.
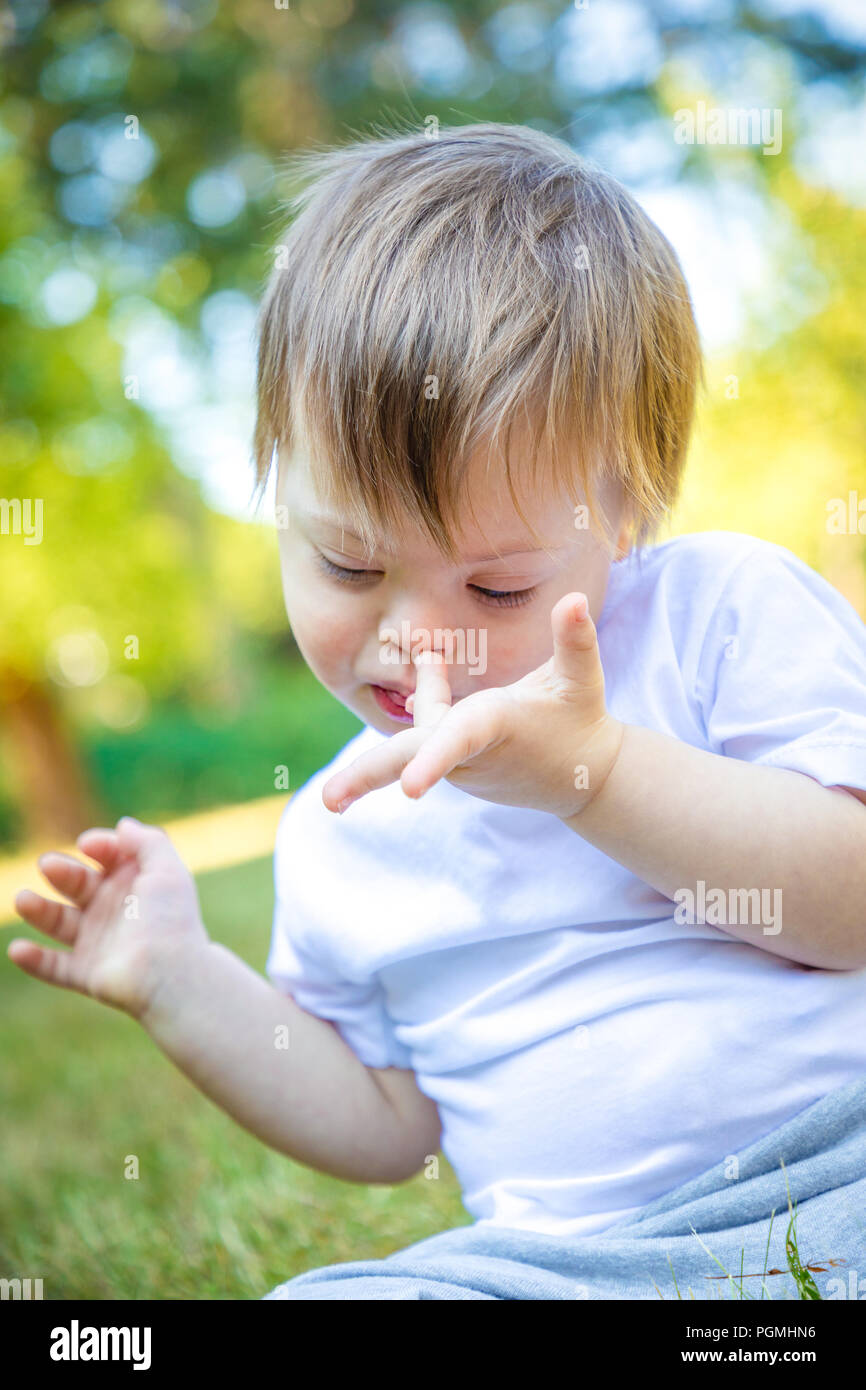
pixel 785 418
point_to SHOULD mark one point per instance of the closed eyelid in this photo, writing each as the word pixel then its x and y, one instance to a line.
pixel 362 561
pixel 480 578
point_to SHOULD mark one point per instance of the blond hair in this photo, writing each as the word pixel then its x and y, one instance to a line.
pixel 426 292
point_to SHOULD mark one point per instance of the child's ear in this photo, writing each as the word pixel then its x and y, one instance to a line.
pixel 619 514
pixel 623 540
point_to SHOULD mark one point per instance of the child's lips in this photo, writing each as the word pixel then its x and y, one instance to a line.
pixel 392 701
pixel 395 690
pixel 401 696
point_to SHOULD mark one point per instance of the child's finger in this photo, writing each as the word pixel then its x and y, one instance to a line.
pixel 54 967
pixel 149 844
pixel 100 844
pixel 371 770
pixel 69 876
pixel 59 920
pixel 432 697
pixel 461 736
pixel 575 642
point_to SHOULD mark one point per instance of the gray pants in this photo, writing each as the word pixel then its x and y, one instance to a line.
pixel 682 1244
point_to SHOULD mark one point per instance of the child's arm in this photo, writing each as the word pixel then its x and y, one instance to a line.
pixel 674 815
pixel 219 1022
pixel 138 944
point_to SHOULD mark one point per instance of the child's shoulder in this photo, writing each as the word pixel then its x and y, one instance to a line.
pixel 702 565
pixel 678 588
pixel 705 586
pixel 715 551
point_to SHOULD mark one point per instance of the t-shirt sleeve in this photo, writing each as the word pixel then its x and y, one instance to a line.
pixel 781 677
pixel 299 968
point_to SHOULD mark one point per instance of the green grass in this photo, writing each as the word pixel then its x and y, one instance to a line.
pixel 214 1214
pixel 801 1274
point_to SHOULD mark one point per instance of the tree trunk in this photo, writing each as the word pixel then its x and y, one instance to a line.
pixel 48 779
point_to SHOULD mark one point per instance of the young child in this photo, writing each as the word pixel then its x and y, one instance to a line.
pixel 593 922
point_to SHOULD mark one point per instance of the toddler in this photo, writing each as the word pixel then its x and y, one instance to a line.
pixel 582 904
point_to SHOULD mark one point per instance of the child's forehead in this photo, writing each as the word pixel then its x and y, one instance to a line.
pixel 474 546
pixel 490 526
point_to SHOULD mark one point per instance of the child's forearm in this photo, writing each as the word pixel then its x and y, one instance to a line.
pixel 677 815
pixel 223 1025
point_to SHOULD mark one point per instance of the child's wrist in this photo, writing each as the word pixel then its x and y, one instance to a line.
pixel 173 976
pixel 602 752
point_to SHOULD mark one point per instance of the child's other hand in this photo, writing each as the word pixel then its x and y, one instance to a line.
pixel 127 922
pixel 546 742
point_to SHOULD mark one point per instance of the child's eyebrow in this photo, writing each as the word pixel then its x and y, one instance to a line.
pixel 510 548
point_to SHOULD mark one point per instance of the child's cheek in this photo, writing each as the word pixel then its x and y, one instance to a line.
pixel 513 655
pixel 328 644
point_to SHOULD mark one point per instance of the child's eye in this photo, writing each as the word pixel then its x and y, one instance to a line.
pixel 502 598
pixel 339 572
pixel 506 598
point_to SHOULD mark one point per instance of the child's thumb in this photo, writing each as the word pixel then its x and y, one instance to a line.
pixel 149 843
pixel 575 648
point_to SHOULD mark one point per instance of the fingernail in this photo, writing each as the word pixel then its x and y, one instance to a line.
pixel 341 805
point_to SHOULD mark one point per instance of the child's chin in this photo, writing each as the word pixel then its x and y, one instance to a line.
pixel 370 714
pixel 384 724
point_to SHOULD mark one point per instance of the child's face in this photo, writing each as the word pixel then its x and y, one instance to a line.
pixel 357 633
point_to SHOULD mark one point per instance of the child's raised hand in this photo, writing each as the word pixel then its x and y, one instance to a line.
pixel 126 922
pixel 546 742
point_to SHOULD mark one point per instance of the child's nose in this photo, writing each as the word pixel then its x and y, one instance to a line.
pixel 420 627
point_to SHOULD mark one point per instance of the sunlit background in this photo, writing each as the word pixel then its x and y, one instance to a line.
pixel 146 664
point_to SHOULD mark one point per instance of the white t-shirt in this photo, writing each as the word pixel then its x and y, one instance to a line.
pixel 587 1051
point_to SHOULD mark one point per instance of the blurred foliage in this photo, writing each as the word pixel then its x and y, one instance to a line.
pixel 784 427
pixel 140 175
pixel 182 760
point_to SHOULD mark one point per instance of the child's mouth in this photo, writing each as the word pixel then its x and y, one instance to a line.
pixel 392 702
